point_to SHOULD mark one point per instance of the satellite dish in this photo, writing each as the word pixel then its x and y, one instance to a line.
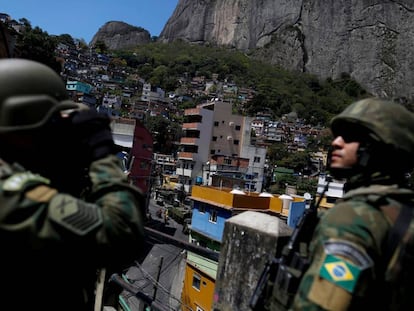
pixel 307 196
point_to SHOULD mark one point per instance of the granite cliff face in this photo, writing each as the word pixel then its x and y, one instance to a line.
pixel 372 40
pixel 120 35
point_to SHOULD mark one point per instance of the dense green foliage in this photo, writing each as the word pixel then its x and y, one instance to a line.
pixel 36 44
pixel 165 133
pixel 277 91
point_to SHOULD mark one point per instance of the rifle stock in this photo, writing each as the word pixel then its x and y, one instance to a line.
pixel 268 272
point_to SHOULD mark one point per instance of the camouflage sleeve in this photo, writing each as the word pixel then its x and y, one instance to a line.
pixel 122 204
pixel 345 245
pixel 110 221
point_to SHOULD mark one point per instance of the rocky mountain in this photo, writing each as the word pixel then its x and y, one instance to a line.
pixel 371 40
pixel 119 35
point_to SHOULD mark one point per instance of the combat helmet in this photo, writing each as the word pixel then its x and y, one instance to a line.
pixel 388 124
pixel 30 93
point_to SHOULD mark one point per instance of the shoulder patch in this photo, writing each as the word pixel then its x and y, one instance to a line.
pixel 340 272
pixel 343 263
pixel 348 250
pixel 75 215
pixel 329 296
pixel 19 181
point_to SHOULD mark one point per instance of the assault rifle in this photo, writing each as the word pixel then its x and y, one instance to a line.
pixel 281 275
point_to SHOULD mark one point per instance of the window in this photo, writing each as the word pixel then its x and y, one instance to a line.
pixel 236 141
pixel 237 127
pixel 227 161
pixel 256 159
pixel 216 123
pixel 214 138
pixel 213 216
pixel 196 281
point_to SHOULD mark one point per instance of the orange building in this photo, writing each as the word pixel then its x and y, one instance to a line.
pixel 198 290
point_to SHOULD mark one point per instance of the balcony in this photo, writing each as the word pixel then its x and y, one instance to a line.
pixel 192 112
pixel 189 141
pixel 186 156
pixel 191 126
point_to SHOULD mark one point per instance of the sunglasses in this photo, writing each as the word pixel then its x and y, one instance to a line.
pixel 353 135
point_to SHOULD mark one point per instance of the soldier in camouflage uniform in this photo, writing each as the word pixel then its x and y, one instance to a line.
pixel 66 207
pixel 356 255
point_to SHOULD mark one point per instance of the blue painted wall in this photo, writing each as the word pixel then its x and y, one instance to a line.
pixel 200 221
pixel 296 211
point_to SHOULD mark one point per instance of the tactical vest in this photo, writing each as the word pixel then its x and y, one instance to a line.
pixel 399 256
pixel 397 270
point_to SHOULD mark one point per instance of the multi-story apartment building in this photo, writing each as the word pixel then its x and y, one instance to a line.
pixel 212 130
pixel 150 94
pixel 195 143
pixel 255 175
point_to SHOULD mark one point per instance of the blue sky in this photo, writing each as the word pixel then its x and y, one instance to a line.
pixel 83 18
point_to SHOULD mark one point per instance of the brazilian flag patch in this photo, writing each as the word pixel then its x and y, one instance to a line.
pixel 340 272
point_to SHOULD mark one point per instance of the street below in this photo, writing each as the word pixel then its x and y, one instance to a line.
pixel 160 275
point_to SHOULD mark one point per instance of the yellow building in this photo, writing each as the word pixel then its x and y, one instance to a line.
pixel 198 290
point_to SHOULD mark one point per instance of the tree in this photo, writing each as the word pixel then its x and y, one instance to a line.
pixel 66 39
pixel 37 45
pixel 165 133
pixel 117 63
pixel 100 47
pixel 276 152
pixel 297 160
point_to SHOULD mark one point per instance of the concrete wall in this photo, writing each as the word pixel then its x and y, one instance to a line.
pixel 248 240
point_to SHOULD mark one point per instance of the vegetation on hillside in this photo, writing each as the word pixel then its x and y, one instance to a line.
pixel 36 44
pixel 170 66
pixel 276 90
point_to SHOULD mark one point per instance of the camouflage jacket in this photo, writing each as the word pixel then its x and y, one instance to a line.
pixel 53 243
pixel 348 269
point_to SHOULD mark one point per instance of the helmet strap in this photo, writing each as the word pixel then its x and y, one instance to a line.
pixel 363 155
